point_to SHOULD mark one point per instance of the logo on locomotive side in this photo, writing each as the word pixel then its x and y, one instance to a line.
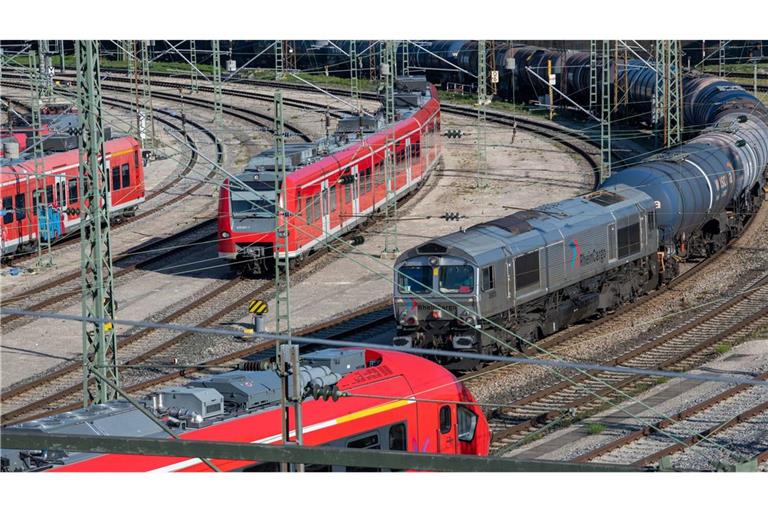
pixel 578 258
pixel 575 253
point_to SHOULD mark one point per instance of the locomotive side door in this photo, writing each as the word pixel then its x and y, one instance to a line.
pixel 408 161
pixel 326 207
pixel 355 192
pixel 446 429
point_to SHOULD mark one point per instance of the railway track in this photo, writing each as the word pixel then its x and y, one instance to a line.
pixel 679 349
pixel 706 421
pixel 51 290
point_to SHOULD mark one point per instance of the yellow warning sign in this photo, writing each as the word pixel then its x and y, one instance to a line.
pixel 258 307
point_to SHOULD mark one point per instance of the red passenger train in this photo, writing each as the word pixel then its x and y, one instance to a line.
pixel 389 401
pixel 332 185
pixel 44 203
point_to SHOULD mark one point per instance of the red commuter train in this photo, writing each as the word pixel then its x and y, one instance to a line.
pixel 44 204
pixel 333 185
pixel 390 401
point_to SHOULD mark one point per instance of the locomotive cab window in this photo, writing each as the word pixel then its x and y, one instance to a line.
pixel 415 279
pixel 488 283
pixel 527 271
pixel 367 442
pixel 651 220
pixel 445 419
pixel 457 279
pixel 628 240
pixel 467 424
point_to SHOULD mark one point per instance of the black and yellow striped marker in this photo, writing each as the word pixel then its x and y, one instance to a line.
pixel 258 307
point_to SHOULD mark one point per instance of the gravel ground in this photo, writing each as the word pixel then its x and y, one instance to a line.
pixel 664 400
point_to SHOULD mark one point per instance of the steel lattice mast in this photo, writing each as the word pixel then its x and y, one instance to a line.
pixel 388 72
pixel 279 61
pixel 218 108
pixel 36 80
pixel 353 75
pixel 146 88
pixel 605 111
pixel 482 103
pixel 193 78
pixel 593 75
pixel 99 340
pixel 287 353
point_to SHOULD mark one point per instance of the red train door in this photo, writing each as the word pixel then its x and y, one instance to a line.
pixel 446 430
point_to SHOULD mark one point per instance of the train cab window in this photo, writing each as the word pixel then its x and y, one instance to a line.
pixel 397 437
pixel 7 210
pixel 116 178
pixel 333 198
pixel 527 270
pixel 488 283
pixel 457 279
pixel 49 194
pixel 414 279
pixel 628 239
pixel 466 424
pixel 73 196
pixel 21 209
pixel 445 419
pixel 126 172
pixel 651 220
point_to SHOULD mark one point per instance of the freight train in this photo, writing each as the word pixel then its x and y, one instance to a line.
pixel 537 271
pixel 332 185
pixel 404 403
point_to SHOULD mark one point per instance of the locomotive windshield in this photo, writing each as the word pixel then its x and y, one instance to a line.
pixel 415 279
pixel 457 279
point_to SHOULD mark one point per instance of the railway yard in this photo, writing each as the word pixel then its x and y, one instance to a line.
pixel 555 261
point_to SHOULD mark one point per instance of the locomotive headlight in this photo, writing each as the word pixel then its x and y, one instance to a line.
pixel 225 234
pixel 434 260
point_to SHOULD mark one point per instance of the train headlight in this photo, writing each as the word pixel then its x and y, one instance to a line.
pixel 225 234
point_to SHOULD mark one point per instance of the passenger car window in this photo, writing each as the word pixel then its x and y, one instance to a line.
pixel 116 178
pixel 126 171
pixel 49 194
pixel 21 210
pixel 73 197
pixel 467 423
pixel 8 210
pixel 445 419
pixel 488 279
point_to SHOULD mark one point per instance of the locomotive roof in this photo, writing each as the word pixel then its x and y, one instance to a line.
pixel 527 230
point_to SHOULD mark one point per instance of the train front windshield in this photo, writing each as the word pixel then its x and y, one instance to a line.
pixel 457 279
pixel 258 200
pixel 415 279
